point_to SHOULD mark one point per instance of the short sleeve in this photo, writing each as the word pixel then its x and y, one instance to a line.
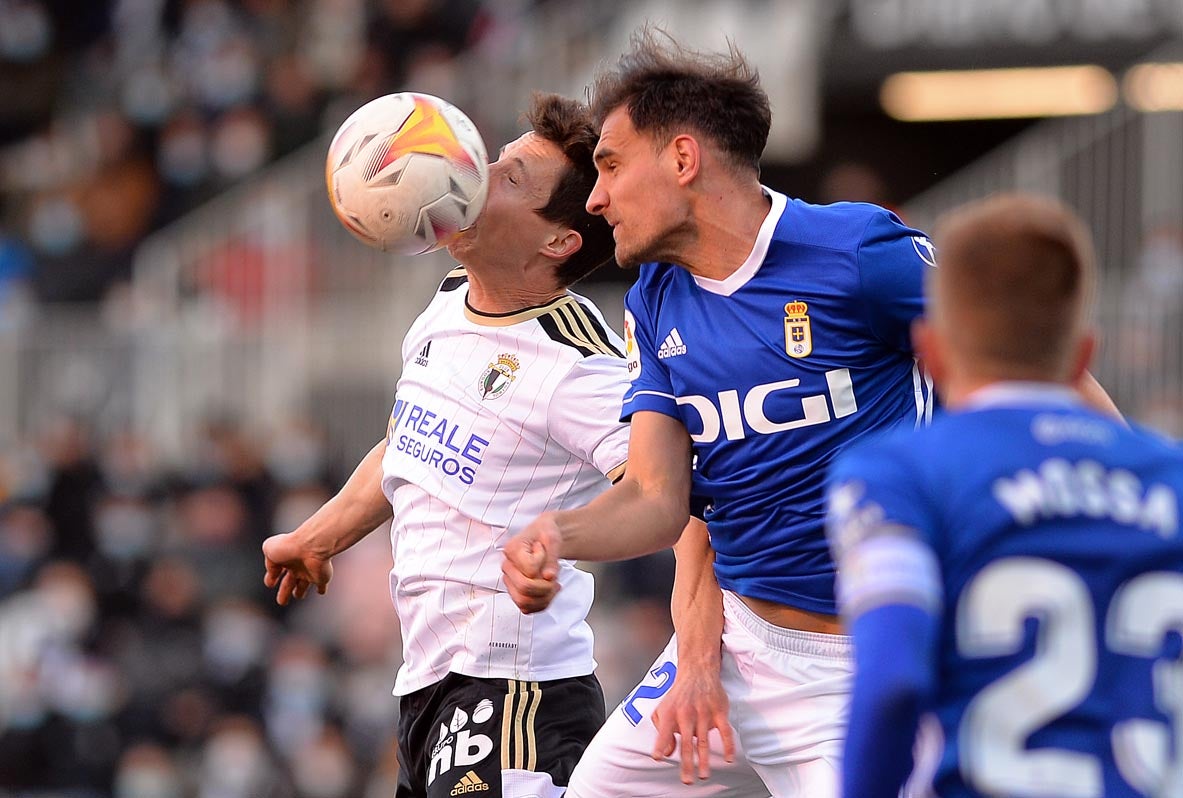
pixel 584 410
pixel 650 387
pixel 880 531
pixel 892 261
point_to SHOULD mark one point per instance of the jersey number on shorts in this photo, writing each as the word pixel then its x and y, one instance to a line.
pixel 1003 715
pixel 665 672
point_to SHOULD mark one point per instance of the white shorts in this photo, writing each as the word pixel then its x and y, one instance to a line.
pixel 789 694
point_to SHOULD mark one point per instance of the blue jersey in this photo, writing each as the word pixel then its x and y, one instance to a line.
pixel 1041 542
pixel 805 348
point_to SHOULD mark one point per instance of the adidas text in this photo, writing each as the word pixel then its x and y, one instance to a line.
pixel 469 784
pixel 671 346
pixel 424 353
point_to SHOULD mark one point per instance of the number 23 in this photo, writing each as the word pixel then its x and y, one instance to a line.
pixel 999 720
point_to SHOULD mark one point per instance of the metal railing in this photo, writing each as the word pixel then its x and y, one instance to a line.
pixel 1123 172
pixel 261 306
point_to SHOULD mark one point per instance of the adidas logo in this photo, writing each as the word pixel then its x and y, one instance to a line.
pixel 671 346
pixel 471 782
pixel 421 358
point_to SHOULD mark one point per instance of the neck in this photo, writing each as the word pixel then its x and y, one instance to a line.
pixel 957 392
pixel 509 290
pixel 727 220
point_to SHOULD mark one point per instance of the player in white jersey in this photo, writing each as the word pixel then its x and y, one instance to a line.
pixel 766 334
pixel 507 407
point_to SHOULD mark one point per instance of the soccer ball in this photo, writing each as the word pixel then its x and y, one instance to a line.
pixel 406 172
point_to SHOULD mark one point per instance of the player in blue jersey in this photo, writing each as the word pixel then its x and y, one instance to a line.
pixel 1013 574
pixel 764 335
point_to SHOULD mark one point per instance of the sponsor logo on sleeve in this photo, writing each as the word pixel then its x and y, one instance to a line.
pixel 925 249
pixel 632 353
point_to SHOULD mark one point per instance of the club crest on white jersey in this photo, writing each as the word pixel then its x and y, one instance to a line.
pixel 496 379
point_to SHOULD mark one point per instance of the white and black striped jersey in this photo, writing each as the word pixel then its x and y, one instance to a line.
pixel 497 419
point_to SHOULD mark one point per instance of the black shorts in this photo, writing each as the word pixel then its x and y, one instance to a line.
pixel 458 736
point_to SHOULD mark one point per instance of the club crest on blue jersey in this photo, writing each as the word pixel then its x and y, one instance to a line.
pixel 496 379
pixel 798 336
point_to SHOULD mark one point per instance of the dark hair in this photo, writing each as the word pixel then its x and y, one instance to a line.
pixel 666 86
pixel 567 123
pixel 1016 277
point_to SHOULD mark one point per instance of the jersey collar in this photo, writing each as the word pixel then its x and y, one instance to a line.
pixel 1023 394
pixel 740 277
pixel 516 316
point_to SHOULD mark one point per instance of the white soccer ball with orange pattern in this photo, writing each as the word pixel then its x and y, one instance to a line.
pixel 406 172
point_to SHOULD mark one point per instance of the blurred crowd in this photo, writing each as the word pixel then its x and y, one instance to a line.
pixel 140 654
pixel 1146 332
pixel 120 115
pixel 142 657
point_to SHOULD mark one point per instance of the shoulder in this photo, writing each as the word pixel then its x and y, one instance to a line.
pixel 907 451
pixel 841 225
pixel 445 306
pixel 1160 453
pixel 654 284
pixel 656 275
pixel 877 450
pixel 454 279
pixel 1153 439
pixel 577 325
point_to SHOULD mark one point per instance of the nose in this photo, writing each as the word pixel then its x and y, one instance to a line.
pixel 495 169
pixel 597 201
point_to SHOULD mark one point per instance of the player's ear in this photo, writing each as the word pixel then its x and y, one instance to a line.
pixel 687 157
pixel 926 344
pixel 562 244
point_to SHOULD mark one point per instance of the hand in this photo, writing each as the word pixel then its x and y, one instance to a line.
pixel 531 565
pixel 694 705
pixel 293 567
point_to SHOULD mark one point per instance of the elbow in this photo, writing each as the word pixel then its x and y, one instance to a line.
pixel 676 519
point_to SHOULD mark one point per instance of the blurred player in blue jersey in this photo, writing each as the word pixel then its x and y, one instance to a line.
pixel 1013 574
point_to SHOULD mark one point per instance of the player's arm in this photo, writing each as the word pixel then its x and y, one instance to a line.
pixel 697 702
pixel 642 513
pixel 299 559
pixel 890 595
pixel 894 655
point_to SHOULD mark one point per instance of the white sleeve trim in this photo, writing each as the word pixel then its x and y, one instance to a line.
pixel 631 396
pixel 889 570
